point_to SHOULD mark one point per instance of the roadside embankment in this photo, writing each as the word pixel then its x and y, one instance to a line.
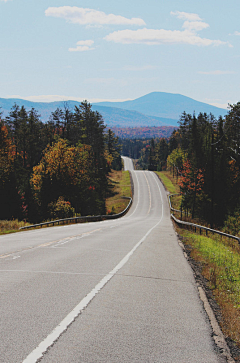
pixel 216 264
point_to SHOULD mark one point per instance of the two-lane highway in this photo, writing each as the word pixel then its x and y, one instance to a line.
pixel 112 291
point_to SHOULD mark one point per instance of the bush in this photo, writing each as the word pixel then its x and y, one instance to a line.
pixel 60 209
pixel 232 224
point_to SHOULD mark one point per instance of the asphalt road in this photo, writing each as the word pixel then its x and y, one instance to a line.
pixel 112 291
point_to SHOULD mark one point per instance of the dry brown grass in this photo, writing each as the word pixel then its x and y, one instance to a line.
pixel 11 226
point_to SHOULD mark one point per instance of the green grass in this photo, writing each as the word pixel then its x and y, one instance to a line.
pixel 171 185
pixel 226 261
pixel 120 186
pixel 219 260
pixel 168 181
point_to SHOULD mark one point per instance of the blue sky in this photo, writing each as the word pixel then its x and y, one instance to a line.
pixel 119 50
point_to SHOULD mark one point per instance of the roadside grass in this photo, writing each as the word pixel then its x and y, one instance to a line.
pixel 170 184
pixel 218 259
pixel 11 226
pixel 168 181
pixel 220 265
pixel 120 185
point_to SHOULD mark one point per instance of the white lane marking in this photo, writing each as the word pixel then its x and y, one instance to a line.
pixel 37 353
pixel 138 197
pixel 149 192
pixel 158 185
pixel 70 239
pixel 15 257
pixel 48 244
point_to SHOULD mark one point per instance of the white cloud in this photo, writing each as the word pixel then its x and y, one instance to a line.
pixel 217 72
pixel 160 36
pixel 192 24
pixel 82 46
pixel 236 33
pixel 186 16
pixel 195 25
pixel 85 16
pixel 192 21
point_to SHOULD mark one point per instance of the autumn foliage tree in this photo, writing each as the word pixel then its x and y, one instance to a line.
pixel 67 157
pixel 191 185
pixel 66 171
pixel 212 148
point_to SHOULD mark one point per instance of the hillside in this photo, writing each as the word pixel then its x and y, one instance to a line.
pixel 126 118
pixel 112 116
pixel 167 105
pixel 153 109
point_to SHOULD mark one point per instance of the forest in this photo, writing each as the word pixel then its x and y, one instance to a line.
pixel 204 154
pixel 143 132
pixel 55 169
pixel 60 168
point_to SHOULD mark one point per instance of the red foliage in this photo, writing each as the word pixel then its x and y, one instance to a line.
pixel 192 179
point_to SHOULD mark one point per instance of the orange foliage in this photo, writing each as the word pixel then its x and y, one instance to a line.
pixel 192 179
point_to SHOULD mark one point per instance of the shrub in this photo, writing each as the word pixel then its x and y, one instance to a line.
pixel 232 224
pixel 60 209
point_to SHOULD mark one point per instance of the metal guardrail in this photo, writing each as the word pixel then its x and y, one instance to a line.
pixel 83 219
pixel 195 226
pixel 171 208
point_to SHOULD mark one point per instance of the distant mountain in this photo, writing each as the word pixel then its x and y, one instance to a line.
pixel 166 105
pixel 124 118
pixel 153 109
pixel 112 116
pixel 43 108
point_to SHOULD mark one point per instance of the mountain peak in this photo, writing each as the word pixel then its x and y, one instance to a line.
pixel 167 105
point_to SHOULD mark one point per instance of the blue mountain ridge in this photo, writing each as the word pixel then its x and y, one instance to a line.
pixel 153 109
pixel 166 105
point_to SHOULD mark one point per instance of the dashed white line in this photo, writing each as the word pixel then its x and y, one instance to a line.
pixel 37 353
pixel 149 192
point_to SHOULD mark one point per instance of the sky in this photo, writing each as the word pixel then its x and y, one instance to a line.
pixel 119 50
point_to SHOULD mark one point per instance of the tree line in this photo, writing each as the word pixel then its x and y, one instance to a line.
pixel 207 160
pixel 204 154
pixel 149 153
pixel 58 168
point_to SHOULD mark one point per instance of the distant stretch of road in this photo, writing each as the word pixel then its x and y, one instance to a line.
pixel 112 291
